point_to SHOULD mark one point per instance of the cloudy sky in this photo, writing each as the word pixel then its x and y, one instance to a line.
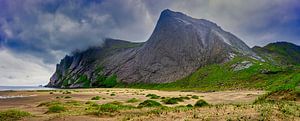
pixel 36 34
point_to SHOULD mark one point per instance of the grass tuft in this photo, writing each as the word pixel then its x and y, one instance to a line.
pixel 96 98
pixel 132 100
pixel 153 96
pixel 56 109
pixel 201 103
pixel 13 115
pixel 149 103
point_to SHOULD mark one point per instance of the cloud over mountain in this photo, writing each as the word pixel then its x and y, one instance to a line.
pixel 49 29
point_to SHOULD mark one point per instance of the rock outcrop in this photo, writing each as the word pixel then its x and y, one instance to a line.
pixel 178 46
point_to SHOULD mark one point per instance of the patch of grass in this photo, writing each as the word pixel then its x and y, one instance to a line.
pixel 149 103
pixel 110 108
pixel 112 94
pixel 201 103
pixel 172 100
pixel 68 97
pixel 96 98
pixel 73 103
pixel 189 105
pixel 13 115
pixel 56 109
pixel 185 98
pixel 195 97
pixel 67 92
pixel 153 96
pixel 132 100
pixel 50 103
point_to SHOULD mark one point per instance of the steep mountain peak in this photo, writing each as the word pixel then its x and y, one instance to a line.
pixel 183 18
pixel 178 46
pixel 170 13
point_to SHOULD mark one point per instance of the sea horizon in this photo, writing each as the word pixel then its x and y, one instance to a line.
pixel 19 88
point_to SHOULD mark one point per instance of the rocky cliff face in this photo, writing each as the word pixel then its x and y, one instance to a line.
pixel 178 46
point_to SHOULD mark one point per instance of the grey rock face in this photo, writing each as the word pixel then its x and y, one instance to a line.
pixel 241 66
pixel 178 46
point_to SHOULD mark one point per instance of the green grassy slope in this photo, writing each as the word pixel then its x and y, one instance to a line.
pixel 261 75
pixel 282 53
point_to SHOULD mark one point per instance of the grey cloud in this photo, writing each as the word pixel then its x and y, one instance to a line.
pixel 46 30
pixel 71 25
pixel 23 70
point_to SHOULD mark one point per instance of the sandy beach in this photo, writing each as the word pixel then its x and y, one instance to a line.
pixel 29 100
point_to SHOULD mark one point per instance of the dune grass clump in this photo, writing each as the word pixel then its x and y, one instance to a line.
pixel 149 103
pixel 195 97
pixel 50 103
pixel 73 103
pixel 173 100
pixel 96 98
pixel 112 94
pixel 66 97
pixel 185 98
pixel 189 105
pixel 13 115
pixel 109 108
pixel 132 100
pixel 56 109
pixel 153 96
pixel 67 92
pixel 201 103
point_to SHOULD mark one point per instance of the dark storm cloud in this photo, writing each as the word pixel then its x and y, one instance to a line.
pixel 38 33
pixel 51 28
pixel 45 28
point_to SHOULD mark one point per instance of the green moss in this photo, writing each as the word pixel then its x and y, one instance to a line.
pixel 13 115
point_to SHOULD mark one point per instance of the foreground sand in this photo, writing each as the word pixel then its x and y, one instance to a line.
pixel 228 104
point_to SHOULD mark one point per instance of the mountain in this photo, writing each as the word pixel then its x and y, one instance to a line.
pixel 280 53
pixel 178 46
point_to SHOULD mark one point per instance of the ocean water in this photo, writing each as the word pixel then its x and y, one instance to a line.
pixel 19 88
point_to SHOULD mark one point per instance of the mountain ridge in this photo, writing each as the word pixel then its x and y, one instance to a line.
pixel 178 46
